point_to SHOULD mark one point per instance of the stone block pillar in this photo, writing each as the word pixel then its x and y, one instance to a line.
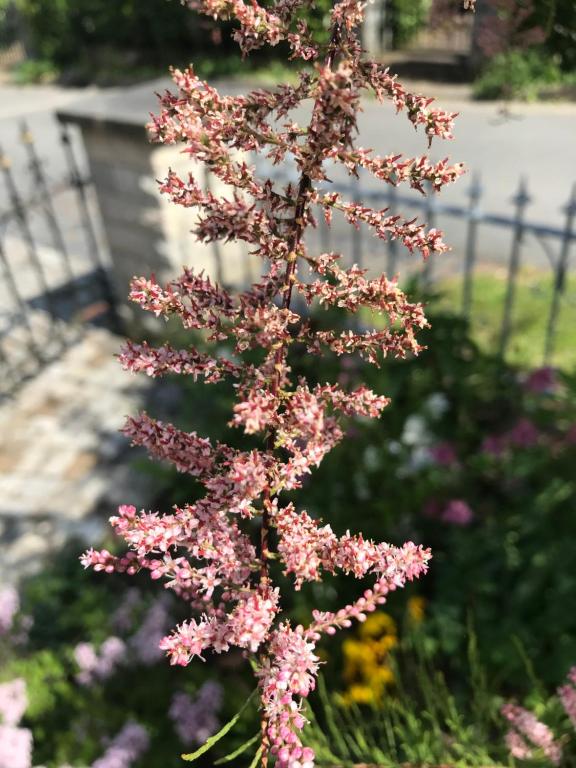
pixel 146 233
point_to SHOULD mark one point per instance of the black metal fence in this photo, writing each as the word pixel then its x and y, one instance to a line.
pixel 54 272
pixel 53 275
pixel 485 242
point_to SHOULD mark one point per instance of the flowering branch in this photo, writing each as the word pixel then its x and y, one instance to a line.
pixel 205 551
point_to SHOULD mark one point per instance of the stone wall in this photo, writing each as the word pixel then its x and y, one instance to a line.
pixel 145 232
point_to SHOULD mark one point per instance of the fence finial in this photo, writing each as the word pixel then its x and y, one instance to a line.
pixel 474 195
pixel 521 200
pixel 560 276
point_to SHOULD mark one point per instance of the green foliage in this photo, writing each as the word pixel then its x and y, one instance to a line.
pixel 407 18
pixel 71 722
pixel 128 40
pixel 532 304
pixel 558 18
pixel 523 75
pixel 426 725
pixel 84 36
pixel 210 742
pixel 427 720
pixel 34 71
pixel 507 569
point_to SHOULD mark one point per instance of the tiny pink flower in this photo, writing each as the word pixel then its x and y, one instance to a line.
pixel 444 454
pixel 541 381
pixel 457 512
pixel 523 434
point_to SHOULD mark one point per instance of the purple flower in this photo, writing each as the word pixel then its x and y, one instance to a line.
pixel 541 381
pixel 432 508
pixel 126 747
pixel 146 641
pixel 196 720
pixel 123 617
pixel 457 512
pixel 98 666
pixel 523 434
pixel 494 445
pixel 444 454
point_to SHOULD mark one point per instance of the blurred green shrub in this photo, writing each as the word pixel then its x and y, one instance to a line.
pixel 92 40
pixel 468 460
pixel 79 37
pixel 524 75
pixel 65 614
pixel 407 18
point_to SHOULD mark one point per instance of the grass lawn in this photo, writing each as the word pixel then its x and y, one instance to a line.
pixel 529 319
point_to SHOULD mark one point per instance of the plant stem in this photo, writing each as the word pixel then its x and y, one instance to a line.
pixel 298 224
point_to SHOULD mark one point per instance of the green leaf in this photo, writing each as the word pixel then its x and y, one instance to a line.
pixel 209 743
pixel 257 757
pixel 238 751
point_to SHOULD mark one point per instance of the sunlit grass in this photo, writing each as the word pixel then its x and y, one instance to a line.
pixel 529 317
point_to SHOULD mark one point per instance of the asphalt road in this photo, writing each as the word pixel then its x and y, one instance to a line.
pixel 537 142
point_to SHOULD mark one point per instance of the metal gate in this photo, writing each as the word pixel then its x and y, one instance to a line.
pixel 53 271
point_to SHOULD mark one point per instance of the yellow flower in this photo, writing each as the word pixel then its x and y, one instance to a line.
pixel 365 660
pixel 382 676
pixel 378 624
pixel 385 644
pixel 416 607
pixel 361 694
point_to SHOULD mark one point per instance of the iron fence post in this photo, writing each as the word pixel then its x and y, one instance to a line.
pixel 357 231
pixel 431 210
pixel 474 194
pixel 392 261
pixel 560 277
pixel 16 295
pixel 521 200
pixel 47 206
pixel 78 183
pixel 22 219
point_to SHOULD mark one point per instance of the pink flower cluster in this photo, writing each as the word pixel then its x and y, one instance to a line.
pixel 528 735
pixel 206 551
pixel 195 720
pixel 523 434
pixel 541 381
pixel 15 742
pixel 9 605
pixel 567 694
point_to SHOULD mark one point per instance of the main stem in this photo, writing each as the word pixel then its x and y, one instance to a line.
pixel 300 208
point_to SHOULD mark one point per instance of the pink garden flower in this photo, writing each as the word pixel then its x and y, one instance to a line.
pixel 567 694
pixel 444 454
pixel 15 747
pixel 529 735
pixel 541 381
pixel 457 512
pixel 9 605
pixel 215 553
pixel 13 701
